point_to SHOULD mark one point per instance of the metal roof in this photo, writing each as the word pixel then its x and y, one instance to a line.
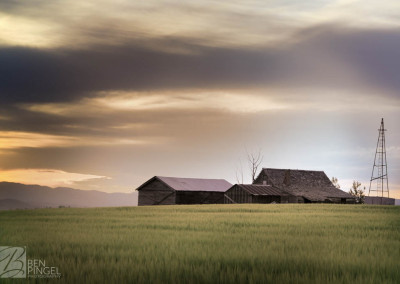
pixel 258 189
pixel 196 184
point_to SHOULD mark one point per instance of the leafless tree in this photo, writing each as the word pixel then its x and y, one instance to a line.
pixel 254 160
pixel 335 182
pixel 239 173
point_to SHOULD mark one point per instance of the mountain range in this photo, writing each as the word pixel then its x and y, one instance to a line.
pixel 22 196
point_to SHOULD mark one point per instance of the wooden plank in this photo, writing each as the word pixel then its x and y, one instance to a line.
pixel 158 202
pixel 229 198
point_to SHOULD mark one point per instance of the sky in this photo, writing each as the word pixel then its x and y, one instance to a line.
pixel 103 95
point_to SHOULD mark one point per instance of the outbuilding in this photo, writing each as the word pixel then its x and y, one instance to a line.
pixel 307 186
pixel 378 200
pixel 173 190
pixel 256 193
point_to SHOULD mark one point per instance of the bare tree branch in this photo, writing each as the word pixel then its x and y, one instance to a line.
pixel 254 160
pixel 335 182
pixel 239 173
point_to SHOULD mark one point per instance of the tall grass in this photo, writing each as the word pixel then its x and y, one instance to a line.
pixel 213 243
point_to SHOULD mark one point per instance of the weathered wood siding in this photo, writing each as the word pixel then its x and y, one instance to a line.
pixel 199 197
pixel 266 199
pixel 237 195
pixel 156 193
pixel 262 179
pixel 289 199
pixel 295 199
pixel 379 200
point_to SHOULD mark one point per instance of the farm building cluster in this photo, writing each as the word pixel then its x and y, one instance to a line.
pixel 271 186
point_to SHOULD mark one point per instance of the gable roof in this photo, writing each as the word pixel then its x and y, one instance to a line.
pixel 259 189
pixel 312 185
pixel 303 178
pixel 192 184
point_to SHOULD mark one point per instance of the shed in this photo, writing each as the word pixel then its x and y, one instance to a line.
pixel 378 200
pixel 307 186
pixel 173 190
pixel 257 193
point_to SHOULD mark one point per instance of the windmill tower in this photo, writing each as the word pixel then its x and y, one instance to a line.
pixel 379 178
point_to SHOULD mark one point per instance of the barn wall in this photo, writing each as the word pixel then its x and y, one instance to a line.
pixel 266 199
pixel 379 200
pixel 336 200
pixel 238 195
pixel 288 199
pixel 199 197
pixel 291 199
pixel 156 193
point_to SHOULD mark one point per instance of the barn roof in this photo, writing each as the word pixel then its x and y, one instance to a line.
pixel 192 184
pixel 313 185
pixel 259 189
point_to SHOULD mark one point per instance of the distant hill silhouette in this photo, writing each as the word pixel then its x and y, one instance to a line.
pixel 22 196
pixel 7 204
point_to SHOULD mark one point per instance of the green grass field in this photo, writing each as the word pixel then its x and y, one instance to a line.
pixel 212 243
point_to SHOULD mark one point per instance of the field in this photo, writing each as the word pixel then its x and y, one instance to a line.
pixel 212 243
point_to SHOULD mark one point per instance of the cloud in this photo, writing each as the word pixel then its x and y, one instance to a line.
pixel 42 76
pixel 188 100
pixel 325 57
pixel 47 177
pixel 164 117
pixel 80 24
pixel 18 139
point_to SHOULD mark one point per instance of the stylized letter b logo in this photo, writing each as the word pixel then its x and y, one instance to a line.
pixel 12 262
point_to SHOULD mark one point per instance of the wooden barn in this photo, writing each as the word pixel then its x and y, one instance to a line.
pixel 306 186
pixel 257 193
pixel 172 190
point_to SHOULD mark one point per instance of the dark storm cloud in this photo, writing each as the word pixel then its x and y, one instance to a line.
pixel 375 54
pixel 322 57
pixel 108 123
pixel 11 5
pixel 42 76
pixel 18 119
